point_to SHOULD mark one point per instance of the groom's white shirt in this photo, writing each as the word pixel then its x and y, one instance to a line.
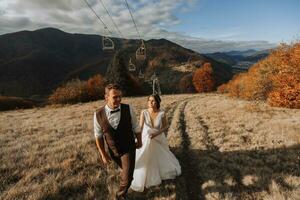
pixel 114 119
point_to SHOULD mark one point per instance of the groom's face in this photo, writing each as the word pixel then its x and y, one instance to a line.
pixel 113 98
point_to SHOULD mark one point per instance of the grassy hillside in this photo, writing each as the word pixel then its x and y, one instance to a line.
pixel 228 149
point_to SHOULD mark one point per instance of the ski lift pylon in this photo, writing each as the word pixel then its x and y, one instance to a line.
pixel 156 86
pixel 140 53
pixel 107 44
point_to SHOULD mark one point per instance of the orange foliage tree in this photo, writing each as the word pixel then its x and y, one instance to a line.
pixel 96 87
pixel 203 80
pixel 76 91
pixel 73 91
pixel 275 79
pixel 286 82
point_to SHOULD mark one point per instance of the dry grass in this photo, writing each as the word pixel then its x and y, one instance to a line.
pixel 228 149
pixel 243 150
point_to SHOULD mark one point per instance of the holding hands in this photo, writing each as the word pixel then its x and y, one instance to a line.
pixel 153 133
pixel 138 144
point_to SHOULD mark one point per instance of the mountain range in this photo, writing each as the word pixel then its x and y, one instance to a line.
pixel 37 62
pixel 240 61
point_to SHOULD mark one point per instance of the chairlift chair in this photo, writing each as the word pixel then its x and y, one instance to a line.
pixel 107 44
pixel 131 66
pixel 141 75
pixel 140 53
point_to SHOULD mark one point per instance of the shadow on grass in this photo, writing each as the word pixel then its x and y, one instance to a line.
pixel 239 173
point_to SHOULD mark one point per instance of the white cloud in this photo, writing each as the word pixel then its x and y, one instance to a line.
pixel 153 18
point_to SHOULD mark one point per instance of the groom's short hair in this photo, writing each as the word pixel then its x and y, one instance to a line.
pixel 112 86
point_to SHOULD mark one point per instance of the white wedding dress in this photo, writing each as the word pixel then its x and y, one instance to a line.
pixel 154 161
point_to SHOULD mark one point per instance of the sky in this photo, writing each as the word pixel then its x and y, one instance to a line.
pixel 202 25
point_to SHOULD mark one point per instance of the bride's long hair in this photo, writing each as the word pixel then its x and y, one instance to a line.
pixel 157 99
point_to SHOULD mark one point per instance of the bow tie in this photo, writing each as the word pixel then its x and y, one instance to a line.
pixel 114 111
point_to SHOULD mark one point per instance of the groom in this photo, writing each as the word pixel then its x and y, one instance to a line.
pixel 116 123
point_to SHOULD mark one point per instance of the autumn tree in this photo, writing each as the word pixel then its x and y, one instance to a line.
pixel 95 87
pixel 286 81
pixel 275 79
pixel 203 80
pixel 73 91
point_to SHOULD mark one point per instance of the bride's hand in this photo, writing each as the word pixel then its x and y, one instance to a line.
pixel 152 135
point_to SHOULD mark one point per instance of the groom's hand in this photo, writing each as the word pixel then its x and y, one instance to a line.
pixel 138 144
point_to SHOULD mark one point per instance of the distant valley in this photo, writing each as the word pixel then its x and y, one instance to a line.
pixel 240 61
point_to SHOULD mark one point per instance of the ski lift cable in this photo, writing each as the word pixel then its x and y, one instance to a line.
pixel 121 35
pixel 133 19
pixel 105 27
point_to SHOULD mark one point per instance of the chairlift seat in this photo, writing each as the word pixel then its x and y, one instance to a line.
pixel 141 75
pixel 140 53
pixel 107 44
pixel 131 66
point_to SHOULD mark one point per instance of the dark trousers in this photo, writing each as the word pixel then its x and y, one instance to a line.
pixel 126 162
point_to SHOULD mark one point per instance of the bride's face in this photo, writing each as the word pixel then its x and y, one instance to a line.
pixel 152 103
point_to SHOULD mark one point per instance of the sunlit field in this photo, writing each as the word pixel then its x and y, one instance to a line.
pixel 228 149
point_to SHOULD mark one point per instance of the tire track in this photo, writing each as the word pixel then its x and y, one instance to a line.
pixel 209 158
pixel 188 184
pixel 189 167
pixel 207 139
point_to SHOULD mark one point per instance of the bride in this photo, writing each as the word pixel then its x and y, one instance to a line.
pixel 154 160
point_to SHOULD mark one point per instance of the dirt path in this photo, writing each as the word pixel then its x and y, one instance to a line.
pixel 226 153
pixel 179 141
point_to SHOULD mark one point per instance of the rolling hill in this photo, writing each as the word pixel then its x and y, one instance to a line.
pixel 36 62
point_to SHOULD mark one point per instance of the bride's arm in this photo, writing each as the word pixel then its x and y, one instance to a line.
pixel 164 127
